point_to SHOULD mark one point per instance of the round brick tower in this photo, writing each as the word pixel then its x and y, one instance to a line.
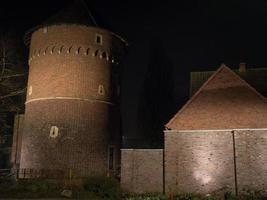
pixel 72 117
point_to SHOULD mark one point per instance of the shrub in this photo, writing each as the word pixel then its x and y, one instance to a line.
pixel 30 188
pixel 104 187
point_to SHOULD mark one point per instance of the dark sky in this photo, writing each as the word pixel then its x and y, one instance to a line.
pixel 196 35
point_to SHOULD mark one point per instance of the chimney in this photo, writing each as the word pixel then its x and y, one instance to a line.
pixel 242 67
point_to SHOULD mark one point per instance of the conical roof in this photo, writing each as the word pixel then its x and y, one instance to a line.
pixel 225 101
pixel 75 13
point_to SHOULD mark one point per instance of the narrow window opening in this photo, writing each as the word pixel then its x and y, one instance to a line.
pixel 98 39
pixel 45 29
pixel 87 51
pixel 101 90
pixel 96 53
pixel 30 90
pixel 54 131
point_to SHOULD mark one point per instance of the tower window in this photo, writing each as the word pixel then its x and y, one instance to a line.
pixel 98 39
pixel 30 90
pixel 53 131
pixel 45 29
pixel 101 90
pixel 111 158
pixel 104 55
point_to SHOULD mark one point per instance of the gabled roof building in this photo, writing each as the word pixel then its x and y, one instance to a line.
pixel 217 141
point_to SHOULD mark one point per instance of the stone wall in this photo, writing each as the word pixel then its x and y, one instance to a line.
pixel 142 170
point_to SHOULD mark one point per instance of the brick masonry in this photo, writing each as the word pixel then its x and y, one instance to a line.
pixel 199 162
pixel 251 156
pixel 203 161
pixel 141 170
pixel 68 68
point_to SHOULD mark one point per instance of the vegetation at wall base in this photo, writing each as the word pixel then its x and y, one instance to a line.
pixel 96 188
pixel 30 188
pixel 99 188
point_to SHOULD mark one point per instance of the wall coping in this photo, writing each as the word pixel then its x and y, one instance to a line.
pixel 141 149
pixel 212 130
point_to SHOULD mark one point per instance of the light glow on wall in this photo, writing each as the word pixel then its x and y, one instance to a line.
pixel 202 176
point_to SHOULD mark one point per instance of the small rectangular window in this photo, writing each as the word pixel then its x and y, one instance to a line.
pixel 98 39
pixel 45 29
pixel 111 158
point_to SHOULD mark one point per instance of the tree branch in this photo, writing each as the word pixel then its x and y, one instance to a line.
pixel 18 92
pixel 13 75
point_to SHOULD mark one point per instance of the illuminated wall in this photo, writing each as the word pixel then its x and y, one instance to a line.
pixel 251 158
pixel 72 108
pixel 203 161
pixel 199 162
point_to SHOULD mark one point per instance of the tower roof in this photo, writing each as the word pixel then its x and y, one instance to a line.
pixel 75 13
pixel 256 77
pixel 225 101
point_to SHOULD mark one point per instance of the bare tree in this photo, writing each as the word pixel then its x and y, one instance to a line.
pixel 13 75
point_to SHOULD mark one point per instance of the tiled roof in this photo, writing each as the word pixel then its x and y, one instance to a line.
pixel 256 77
pixel 225 101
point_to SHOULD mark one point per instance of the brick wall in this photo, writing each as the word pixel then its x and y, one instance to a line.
pixel 199 162
pixel 203 161
pixel 141 170
pixel 67 68
pixel 251 157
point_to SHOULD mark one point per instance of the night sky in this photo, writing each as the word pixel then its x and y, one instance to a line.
pixel 196 35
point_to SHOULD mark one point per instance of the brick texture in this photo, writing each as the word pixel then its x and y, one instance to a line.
pixel 67 67
pixel 199 162
pixel 251 156
pixel 203 161
pixel 142 170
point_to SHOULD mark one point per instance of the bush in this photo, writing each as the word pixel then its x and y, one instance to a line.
pixel 7 182
pixel 104 187
pixel 29 188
